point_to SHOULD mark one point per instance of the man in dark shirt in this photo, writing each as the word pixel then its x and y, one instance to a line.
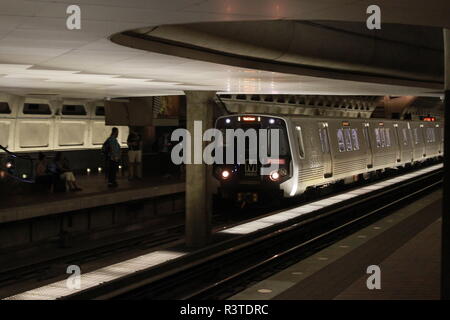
pixel 134 156
pixel 113 155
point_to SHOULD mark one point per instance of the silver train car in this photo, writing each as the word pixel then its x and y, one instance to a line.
pixel 317 151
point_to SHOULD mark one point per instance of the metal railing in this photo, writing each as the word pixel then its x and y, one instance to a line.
pixel 16 166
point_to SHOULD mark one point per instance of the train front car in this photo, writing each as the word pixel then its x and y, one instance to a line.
pixel 257 160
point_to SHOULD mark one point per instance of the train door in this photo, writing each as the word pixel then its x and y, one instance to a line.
pixel 399 146
pixel 326 151
pixel 369 149
pixel 407 143
pixel 424 140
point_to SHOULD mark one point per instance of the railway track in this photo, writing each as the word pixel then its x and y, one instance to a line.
pixel 219 270
pixel 48 268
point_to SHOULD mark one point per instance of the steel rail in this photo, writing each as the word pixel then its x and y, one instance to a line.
pixel 170 275
pixel 209 291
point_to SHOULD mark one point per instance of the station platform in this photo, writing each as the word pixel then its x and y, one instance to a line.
pixel 95 193
pixel 405 245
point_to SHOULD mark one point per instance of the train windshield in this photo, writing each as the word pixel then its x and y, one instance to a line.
pixel 256 136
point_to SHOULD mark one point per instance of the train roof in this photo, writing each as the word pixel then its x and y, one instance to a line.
pixel 297 116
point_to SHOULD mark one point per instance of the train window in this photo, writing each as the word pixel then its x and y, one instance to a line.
pixel 388 137
pixel 340 138
pixel 366 136
pixel 382 138
pixel 324 140
pixel 99 111
pixel 73 110
pixel 405 137
pixel 430 135
pixel 300 142
pixel 416 136
pixel 283 141
pixel 355 139
pixel 377 137
pixel 36 108
pixel 348 139
pixel 4 108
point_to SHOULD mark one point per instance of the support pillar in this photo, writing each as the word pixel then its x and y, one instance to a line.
pixel 200 107
pixel 445 255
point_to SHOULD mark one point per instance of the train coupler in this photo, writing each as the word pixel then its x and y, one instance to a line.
pixel 247 197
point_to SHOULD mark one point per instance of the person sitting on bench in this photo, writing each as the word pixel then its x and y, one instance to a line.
pixel 43 178
pixel 61 168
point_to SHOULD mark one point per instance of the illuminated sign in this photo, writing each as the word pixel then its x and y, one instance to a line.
pixel 249 119
pixel 429 119
pixel 346 123
pixel 381 124
pixel 276 161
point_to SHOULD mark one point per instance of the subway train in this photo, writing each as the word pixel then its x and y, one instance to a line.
pixel 318 151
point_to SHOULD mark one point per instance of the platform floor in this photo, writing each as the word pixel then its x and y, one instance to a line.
pixel 95 193
pixel 405 245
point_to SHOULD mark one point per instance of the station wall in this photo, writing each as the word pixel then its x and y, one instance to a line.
pixel 36 124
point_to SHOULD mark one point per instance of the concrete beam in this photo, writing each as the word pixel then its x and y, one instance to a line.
pixel 445 261
pixel 200 107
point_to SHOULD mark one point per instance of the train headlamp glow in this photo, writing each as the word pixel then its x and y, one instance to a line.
pixel 225 174
pixel 272 121
pixel 277 174
pixel 274 176
pixel 8 165
pixel 228 121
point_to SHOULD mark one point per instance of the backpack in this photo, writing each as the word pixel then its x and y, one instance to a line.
pixel 105 147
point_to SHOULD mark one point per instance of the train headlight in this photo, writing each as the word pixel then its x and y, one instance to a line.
pixel 274 176
pixel 278 174
pixel 225 174
pixel 8 165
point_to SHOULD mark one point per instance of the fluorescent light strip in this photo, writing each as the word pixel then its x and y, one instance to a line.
pixel 326 202
pixel 305 209
pixel 344 196
pixel 265 222
pixel 372 187
pixel 59 289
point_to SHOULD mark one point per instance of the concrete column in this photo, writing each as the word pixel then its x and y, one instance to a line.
pixel 445 262
pixel 200 107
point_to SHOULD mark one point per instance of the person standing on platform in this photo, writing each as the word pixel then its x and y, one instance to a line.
pixel 134 156
pixel 113 155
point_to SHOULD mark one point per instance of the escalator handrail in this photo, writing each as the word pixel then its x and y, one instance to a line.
pixel 15 155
